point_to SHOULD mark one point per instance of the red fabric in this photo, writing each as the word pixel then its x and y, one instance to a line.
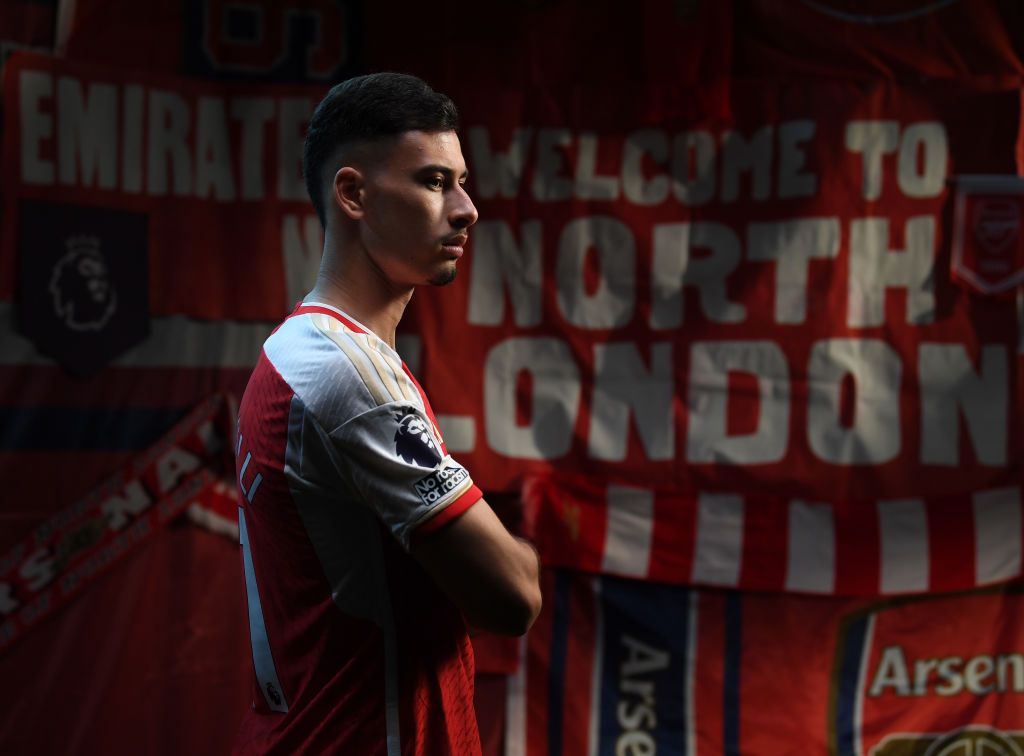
pixel 569 522
pixel 908 39
pixel 152 659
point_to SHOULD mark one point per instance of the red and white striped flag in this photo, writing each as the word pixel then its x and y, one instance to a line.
pixel 760 542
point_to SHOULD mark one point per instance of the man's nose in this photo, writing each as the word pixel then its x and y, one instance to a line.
pixel 463 212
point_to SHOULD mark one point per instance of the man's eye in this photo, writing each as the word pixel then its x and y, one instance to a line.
pixel 436 182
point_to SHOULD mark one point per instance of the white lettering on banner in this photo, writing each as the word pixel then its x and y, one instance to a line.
pixel 793 183
pixel 174 465
pixel 951 389
pixel 637 188
pixel 874 268
pixel 701 256
pixel 924 153
pixel 791 245
pixel 693 167
pixel 87 133
pixel 690 162
pixel 739 156
pixel 498 174
pixel 589 185
pixel 853 394
pixel 8 603
pixel 873 433
pixel 39 569
pixel 168 131
pixel 922 162
pixel 707 440
pixel 120 509
pixel 673 268
pixel 611 305
pixel 131 139
pixel 254 113
pixel 134 139
pixel 293 114
pixel 549 184
pixel 213 156
pixel 497 263
pixel 302 244
pixel 872 139
pixel 951 675
pixel 623 384
pixel 113 507
pixel 636 711
pixel 554 399
pixel 36 126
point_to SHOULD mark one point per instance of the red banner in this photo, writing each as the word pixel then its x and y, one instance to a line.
pixel 761 542
pixel 909 40
pixel 211 172
pixel 725 288
pixel 616 666
pixel 744 292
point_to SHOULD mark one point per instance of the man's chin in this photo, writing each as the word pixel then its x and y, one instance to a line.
pixel 444 277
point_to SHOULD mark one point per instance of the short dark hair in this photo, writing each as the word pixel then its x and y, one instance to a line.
pixel 367 108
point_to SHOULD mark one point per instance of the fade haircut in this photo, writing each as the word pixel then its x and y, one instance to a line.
pixel 365 109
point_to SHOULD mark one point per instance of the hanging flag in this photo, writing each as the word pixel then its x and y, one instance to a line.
pixel 764 542
pixel 988 239
pixel 616 666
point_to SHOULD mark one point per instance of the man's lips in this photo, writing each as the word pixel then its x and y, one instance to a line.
pixel 455 244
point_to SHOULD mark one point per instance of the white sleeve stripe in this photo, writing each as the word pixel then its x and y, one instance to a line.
pixel 387 375
pixel 404 383
pixel 393 379
pixel 373 383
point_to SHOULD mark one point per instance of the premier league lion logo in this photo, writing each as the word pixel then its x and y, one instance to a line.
pixel 414 442
pixel 83 297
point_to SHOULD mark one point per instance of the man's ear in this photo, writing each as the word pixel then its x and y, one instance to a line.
pixel 347 189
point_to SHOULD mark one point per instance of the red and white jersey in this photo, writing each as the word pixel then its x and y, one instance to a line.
pixel 341 467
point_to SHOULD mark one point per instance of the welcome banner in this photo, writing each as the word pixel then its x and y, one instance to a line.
pixel 743 288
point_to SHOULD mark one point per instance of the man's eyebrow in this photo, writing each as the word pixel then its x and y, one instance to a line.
pixel 441 169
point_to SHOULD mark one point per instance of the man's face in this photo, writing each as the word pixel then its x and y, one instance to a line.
pixel 417 212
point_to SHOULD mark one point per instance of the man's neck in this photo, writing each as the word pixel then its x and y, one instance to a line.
pixel 364 294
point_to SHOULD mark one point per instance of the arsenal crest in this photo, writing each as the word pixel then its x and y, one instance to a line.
pixel 988 241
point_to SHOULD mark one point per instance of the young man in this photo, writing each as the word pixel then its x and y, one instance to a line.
pixel 366 548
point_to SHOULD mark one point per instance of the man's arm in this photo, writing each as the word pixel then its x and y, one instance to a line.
pixel 491 575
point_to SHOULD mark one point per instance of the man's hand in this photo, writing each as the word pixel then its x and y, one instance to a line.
pixel 491 575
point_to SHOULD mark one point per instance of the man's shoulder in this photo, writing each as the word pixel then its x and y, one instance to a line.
pixel 337 371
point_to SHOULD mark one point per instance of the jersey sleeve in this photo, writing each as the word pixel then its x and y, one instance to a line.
pixel 394 458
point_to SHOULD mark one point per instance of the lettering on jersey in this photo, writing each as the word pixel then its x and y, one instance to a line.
pixel 440 483
pixel 273 695
pixel 413 440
